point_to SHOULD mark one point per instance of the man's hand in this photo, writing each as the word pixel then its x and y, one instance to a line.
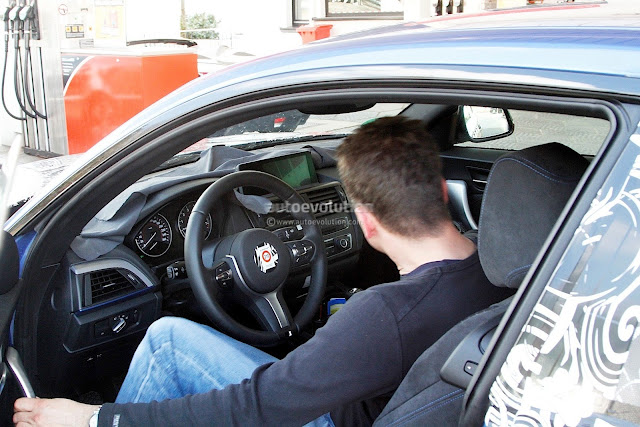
pixel 51 412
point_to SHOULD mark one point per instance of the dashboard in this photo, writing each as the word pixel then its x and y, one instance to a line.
pixel 149 266
pixel 103 306
pixel 158 239
pixel 154 237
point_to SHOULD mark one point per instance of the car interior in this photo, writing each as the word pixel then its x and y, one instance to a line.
pixel 145 245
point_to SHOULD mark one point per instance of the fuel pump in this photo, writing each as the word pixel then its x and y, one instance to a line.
pixel 21 27
pixel 79 70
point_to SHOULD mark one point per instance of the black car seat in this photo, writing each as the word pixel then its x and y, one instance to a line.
pixel 525 193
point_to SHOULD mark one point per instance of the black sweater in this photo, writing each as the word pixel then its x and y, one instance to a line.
pixel 349 368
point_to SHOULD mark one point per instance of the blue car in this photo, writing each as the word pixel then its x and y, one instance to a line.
pixel 108 247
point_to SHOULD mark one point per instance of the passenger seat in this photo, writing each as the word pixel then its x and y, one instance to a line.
pixel 525 194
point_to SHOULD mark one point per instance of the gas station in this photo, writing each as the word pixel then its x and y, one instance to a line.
pixel 76 70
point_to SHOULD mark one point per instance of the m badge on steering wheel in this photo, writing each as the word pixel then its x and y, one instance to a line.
pixel 266 257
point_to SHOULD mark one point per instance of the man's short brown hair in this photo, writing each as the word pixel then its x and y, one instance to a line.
pixel 393 165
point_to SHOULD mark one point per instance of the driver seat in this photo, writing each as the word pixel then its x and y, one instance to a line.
pixel 525 194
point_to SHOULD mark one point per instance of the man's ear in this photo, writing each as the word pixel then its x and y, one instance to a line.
pixel 445 191
pixel 368 222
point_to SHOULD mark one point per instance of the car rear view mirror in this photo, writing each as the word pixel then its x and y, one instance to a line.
pixel 480 124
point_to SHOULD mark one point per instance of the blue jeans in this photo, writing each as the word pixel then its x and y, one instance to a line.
pixel 179 357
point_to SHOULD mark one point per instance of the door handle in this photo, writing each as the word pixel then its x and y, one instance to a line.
pixel 3 377
pixel 17 369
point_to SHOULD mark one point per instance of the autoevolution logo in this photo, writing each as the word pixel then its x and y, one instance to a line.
pixel 266 257
pixel 316 208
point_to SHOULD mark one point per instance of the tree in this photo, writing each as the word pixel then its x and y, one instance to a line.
pixel 200 26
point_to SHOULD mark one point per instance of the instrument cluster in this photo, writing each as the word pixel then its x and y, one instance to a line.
pixel 163 233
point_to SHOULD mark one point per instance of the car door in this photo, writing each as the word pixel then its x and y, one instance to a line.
pixel 567 351
pixel 13 379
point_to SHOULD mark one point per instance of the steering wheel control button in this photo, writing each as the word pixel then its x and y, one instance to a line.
pixel 224 276
pixel 294 233
pixel 266 257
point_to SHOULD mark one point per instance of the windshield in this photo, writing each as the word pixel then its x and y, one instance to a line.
pixel 293 126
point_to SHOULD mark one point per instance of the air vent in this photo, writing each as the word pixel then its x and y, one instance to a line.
pixel 108 284
pixel 325 201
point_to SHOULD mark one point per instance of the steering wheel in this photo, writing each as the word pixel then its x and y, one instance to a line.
pixel 252 266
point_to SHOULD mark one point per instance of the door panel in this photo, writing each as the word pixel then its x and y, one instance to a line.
pixel 466 171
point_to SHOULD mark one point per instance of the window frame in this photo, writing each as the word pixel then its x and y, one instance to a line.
pixel 363 15
pixel 296 22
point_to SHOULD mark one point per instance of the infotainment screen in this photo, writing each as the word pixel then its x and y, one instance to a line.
pixel 296 169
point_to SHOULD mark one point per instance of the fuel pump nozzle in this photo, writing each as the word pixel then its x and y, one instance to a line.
pixel 30 20
pixel 15 23
pixel 5 18
pixel 5 15
pixel 15 9
pixel 26 14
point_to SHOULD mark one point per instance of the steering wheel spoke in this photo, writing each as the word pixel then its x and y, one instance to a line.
pixel 272 312
pixel 208 253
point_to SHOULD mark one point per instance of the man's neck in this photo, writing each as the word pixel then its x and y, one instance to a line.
pixel 409 254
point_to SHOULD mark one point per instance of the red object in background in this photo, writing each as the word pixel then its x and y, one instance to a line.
pixel 103 91
pixel 310 33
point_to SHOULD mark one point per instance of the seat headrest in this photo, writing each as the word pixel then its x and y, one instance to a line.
pixel 525 193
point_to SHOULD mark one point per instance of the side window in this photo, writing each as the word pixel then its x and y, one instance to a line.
pixel 577 359
pixel 584 134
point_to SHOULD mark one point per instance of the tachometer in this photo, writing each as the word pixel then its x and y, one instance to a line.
pixel 183 220
pixel 154 238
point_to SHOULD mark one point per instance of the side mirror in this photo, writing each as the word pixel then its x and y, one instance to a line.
pixel 480 124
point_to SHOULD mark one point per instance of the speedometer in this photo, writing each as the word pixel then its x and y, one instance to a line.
pixel 154 238
pixel 183 220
